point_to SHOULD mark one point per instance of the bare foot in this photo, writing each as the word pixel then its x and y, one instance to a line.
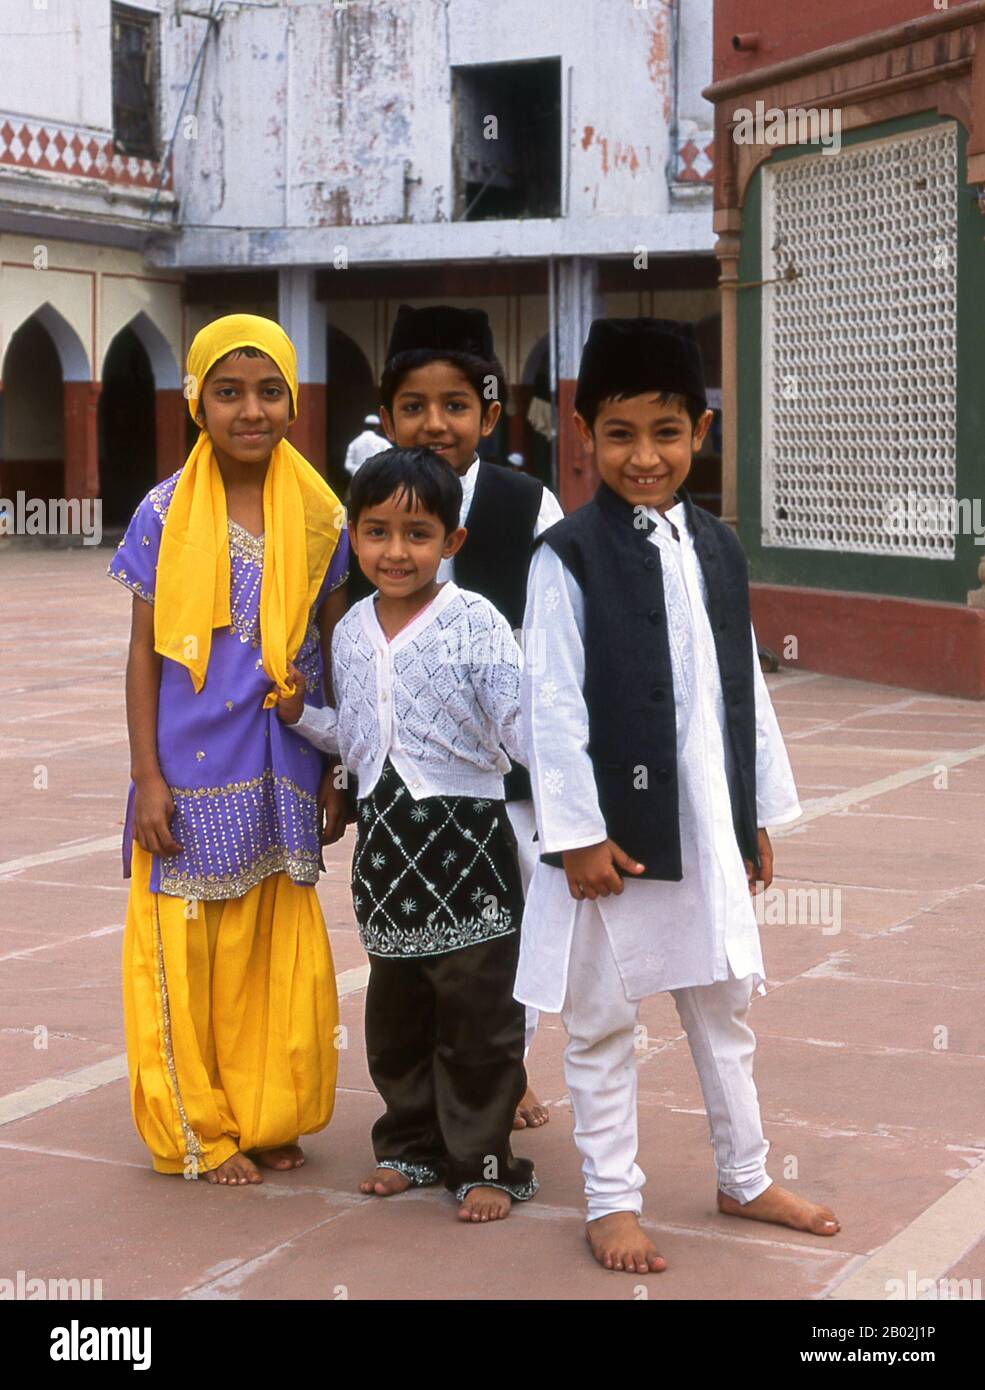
pixel 619 1242
pixel 530 1114
pixel 385 1182
pixel 485 1204
pixel 783 1208
pixel 281 1159
pixel 237 1171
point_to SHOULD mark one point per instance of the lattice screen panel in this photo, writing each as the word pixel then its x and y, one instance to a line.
pixel 859 358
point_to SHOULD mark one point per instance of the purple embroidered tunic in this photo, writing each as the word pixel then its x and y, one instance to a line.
pixel 245 785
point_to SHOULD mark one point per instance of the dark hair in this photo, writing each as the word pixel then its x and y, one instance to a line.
pixel 246 351
pixel 588 407
pixel 418 474
pixel 476 369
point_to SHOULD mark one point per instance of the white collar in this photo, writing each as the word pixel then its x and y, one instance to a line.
pixel 371 623
pixel 675 516
pixel 470 477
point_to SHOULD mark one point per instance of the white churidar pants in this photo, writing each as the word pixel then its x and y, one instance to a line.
pixel 600 1073
pixel 521 814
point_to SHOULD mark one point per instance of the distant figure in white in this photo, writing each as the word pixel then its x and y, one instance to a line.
pixel 365 445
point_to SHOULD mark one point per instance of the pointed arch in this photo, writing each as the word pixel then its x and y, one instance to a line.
pixel 32 428
pixel 72 355
pixel 534 362
pixel 351 393
pixel 167 374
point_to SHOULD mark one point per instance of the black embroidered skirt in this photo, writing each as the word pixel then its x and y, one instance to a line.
pixel 433 875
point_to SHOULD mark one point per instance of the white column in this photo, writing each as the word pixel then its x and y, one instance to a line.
pixel 304 319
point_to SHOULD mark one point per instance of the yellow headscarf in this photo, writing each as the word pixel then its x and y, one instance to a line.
pixel 302 521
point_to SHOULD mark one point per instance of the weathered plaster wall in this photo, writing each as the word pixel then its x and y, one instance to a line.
pixel 62 69
pixel 312 117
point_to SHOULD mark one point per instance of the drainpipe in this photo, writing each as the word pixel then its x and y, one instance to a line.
pixel 675 53
pixel 212 25
pixel 552 370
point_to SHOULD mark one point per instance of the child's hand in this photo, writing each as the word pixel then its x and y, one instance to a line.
pixel 153 807
pixel 291 707
pixel 592 872
pixel 766 859
pixel 332 806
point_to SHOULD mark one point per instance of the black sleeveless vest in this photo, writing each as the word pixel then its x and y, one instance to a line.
pixel 496 556
pixel 629 687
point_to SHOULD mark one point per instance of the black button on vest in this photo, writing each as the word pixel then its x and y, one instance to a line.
pixel 632 727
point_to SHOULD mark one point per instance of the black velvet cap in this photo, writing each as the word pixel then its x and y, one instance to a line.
pixel 628 357
pixel 440 326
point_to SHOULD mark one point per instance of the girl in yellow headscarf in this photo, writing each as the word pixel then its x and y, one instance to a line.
pixel 236 564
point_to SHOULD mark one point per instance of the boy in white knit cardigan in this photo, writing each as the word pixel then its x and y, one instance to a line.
pixel 427 684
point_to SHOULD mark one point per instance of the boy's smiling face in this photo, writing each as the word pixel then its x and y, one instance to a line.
pixel 246 407
pixel 643 449
pixel 399 551
pixel 436 405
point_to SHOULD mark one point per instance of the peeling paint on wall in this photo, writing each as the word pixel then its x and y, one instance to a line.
pixel 659 58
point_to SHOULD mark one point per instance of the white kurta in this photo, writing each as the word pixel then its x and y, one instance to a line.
pixel 365 446
pixel 521 813
pixel 664 935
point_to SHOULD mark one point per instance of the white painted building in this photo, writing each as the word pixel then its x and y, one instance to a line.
pixel 323 162
pixel 91 337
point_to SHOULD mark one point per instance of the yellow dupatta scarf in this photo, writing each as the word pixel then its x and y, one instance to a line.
pixel 302 521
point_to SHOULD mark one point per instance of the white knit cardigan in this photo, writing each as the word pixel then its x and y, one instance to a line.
pixel 441 700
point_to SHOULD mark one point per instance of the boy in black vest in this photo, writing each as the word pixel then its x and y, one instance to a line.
pixel 656 761
pixel 442 387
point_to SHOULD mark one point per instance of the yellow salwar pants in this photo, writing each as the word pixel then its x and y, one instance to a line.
pixel 231 1012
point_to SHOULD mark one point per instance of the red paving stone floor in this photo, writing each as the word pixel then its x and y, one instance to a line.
pixel 870 1062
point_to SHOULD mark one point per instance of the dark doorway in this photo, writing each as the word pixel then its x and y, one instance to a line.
pixel 507 140
pixel 127 426
pixel 351 395
pixel 32 442
pixel 537 375
pixel 705 480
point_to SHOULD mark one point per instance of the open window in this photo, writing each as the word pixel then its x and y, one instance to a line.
pixel 135 82
pixel 507 140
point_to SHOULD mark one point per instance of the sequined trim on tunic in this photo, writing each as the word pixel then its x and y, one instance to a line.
pixel 253 782
pixel 300 868
pixel 238 834
pixel 162 492
pixel 193 1147
pixel 133 585
pixel 243 545
pixel 420 1174
pixel 520 1192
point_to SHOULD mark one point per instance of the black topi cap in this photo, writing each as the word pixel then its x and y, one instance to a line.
pixel 628 357
pixel 441 326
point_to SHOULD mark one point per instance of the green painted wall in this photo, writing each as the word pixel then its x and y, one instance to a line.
pixel 942 580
